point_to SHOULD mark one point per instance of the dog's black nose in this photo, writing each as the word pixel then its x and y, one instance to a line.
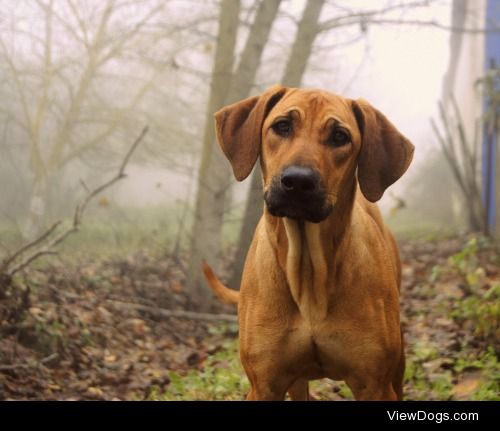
pixel 300 179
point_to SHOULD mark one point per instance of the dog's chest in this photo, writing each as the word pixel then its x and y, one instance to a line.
pixel 318 334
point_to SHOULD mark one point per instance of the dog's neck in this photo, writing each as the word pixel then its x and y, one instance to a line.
pixel 302 248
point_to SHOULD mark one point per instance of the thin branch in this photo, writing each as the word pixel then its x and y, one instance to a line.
pixel 447 128
pixel 31 244
pixel 84 185
pixel 176 313
pixel 77 219
pixel 119 176
pixel 355 18
pixel 463 168
pixel 114 50
pixel 475 142
pixel 366 18
pixel 23 264
pixel 430 23
pixel 450 158
pixel 113 124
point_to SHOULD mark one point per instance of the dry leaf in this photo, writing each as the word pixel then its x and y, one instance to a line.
pixel 464 389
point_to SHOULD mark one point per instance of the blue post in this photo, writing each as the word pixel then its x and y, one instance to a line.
pixel 492 60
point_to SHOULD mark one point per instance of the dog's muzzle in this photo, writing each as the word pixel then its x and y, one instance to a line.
pixel 298 193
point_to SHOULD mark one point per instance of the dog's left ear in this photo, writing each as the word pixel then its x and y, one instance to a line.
pixel 239 129
pixel 385 153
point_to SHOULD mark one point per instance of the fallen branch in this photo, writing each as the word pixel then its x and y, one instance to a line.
pixel 175 313
pixel 10 269
pixel 33 364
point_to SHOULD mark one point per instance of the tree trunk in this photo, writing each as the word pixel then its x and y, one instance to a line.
pixel 294 71
pixel 253 212
pixel 215 175
pixel 37 208
pixel 303 44
pixel 204 235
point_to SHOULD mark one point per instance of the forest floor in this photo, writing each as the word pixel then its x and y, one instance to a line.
pixel 92 330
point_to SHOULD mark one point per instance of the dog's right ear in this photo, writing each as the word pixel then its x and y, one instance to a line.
pixel 239 129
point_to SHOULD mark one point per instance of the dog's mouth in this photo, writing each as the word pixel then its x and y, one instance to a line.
pixel 313 215
pixel 308 205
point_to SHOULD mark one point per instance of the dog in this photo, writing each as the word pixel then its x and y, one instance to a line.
pixel 319 295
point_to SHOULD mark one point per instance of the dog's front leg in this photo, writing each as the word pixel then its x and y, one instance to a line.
pixel 267 383
pixel 265 392
pixel 299 391
pixel 372 390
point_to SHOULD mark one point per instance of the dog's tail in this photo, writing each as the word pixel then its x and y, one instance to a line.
pixel 229 296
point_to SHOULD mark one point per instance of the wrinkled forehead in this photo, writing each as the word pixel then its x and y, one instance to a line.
pixel 314 105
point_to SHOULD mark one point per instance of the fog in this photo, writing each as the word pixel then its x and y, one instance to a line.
pixel 80 80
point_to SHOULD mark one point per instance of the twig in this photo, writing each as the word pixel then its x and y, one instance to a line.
pixel 121 174
pixel 463 167
pixel 27 261
pixel 447 128
pixel 365 16
pixel 176 313
pixel 31 244
pixel 84 185
pixel 29 365
pixel 431 23
pixel 469 168
pixel 451 158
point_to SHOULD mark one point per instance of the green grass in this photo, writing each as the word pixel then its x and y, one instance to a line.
pixel 408 226
pixel 106 232
pixel 116 231
pixel 110 232
pixel 222 378
pixel 481 303
pixel 441 384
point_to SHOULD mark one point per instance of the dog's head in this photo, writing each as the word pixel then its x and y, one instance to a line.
pixel 311 143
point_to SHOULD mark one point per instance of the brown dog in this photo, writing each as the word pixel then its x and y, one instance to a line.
pixel 319 295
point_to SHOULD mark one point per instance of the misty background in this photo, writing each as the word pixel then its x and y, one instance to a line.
pixel 80 79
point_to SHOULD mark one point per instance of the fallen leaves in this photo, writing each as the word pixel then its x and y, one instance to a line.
pixel 106 351
pixel 467 386
pixel 438 344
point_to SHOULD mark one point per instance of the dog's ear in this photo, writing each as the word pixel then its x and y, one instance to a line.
pixel 239 129
pixel 385 153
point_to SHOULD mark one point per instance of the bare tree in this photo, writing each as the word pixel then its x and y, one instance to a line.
pixel 221 75
pixel 292 77
pixel 215 176
pixel 462 157
pixel 64 112
pixel 462 135
pixel 46 244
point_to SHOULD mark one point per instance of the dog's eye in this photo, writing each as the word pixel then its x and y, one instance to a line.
pixel 283 128
pixel 340 138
